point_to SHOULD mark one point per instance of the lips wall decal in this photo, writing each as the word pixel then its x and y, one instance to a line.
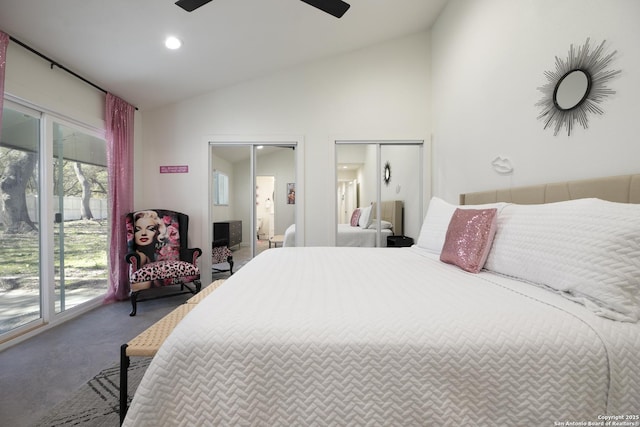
pixel 502 165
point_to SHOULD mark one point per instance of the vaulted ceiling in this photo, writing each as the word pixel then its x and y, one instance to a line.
pixel 118 44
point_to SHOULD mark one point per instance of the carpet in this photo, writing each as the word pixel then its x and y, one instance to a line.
pixel 97 403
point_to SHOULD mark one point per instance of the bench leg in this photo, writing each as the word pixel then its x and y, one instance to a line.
pixel 124 392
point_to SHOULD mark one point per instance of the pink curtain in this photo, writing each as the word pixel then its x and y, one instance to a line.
pixel 119 124
pixel 4 42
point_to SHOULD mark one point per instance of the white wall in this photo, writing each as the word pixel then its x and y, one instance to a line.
pixel 488 59
pixel 378 93
pixel 29 77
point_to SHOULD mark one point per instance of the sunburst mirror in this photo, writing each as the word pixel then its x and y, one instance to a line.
pixel 387 173
pixel 576 87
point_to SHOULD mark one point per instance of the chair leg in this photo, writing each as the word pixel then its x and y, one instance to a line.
pixel 134 303
pixel 198 285
pixel 230 261
pixel 124 392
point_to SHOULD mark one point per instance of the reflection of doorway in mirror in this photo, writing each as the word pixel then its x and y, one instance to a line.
pixel 265 207
pixel 347 200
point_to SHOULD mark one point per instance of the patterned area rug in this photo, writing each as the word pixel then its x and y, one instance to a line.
pixel 97 403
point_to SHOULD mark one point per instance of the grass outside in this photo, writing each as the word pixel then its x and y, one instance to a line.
pixel 85 256
pixel 85 269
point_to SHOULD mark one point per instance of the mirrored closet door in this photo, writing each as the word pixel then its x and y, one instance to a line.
pixel 253 196
pixel 379 191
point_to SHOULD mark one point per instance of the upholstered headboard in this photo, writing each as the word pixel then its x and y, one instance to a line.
pixel 391 211
pixel 620 188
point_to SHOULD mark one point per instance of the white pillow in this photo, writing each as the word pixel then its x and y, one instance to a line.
pixel 436 222
pixel 365 217
pixel 384 225
pixel 588 249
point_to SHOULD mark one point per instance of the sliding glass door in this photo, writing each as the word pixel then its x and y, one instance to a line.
pixel 80 216
pixel 20 249
pixel 53 223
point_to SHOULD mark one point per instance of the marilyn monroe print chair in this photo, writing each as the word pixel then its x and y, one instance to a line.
pixel 158 255
pixel 221 254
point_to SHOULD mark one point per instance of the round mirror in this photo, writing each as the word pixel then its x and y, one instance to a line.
pixel 572 89
pixel 387 173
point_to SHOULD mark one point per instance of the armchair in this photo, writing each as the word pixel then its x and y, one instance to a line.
pixel 158 255
pixel 220 253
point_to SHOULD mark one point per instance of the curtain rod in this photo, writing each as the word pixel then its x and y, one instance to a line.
pixel 57 64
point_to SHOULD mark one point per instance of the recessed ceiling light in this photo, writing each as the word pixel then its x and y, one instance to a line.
pixel 172 43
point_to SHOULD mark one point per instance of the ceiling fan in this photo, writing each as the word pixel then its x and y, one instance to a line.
pixel 336 8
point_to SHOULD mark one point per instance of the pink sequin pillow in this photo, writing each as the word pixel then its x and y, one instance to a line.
pixel 355 217
pixel 469 238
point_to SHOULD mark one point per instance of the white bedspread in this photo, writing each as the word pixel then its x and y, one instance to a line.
pixel 347 236
pixel 366 336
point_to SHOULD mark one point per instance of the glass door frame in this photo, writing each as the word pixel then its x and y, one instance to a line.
pixel 48 261
pixel 48 316
pixel 50 123
pixel 379 171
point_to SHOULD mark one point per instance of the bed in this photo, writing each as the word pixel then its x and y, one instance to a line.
pixel 362 229
pixel 374 336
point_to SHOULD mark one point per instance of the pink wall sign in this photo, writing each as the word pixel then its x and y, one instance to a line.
pixel 174 169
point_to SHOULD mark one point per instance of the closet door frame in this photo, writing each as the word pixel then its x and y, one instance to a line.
pixel 253 142
pixel 425 155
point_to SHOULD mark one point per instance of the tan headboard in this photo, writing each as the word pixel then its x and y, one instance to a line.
pixel 621 188
pixel 391 211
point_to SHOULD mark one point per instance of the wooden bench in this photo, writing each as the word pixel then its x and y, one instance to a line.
pixel 147 343
pixel 205 292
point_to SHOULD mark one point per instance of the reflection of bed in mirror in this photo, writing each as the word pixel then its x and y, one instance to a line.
pixel 363 233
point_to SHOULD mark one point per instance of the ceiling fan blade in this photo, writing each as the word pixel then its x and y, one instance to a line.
pixel 191 5
pixel 336 8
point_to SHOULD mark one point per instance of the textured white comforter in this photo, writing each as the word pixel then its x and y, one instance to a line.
pixel 366 336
